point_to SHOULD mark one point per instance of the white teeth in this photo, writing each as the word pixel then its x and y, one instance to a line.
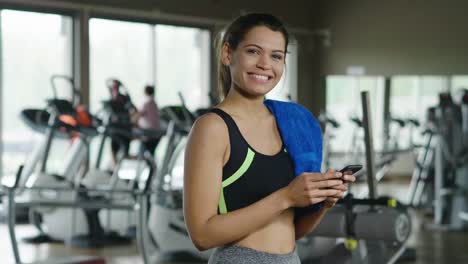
pixel 260 77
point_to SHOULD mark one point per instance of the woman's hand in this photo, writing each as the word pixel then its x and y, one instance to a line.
pixel 347 179
pixel 311 188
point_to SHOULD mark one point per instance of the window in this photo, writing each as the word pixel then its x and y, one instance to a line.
pixel 411 96
pixel 344 102
pixel 175 59
pixel 182 65
pixel 34 46
pixel 121 50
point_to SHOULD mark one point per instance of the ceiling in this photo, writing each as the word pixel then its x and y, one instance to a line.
pixel 300 14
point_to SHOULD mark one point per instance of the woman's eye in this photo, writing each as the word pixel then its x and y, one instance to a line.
pixel 277 57
pixel 253 51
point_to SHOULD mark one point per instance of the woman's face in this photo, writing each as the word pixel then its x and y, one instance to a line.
pixel 257 63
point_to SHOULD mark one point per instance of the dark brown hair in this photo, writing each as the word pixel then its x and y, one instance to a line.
pixel 235 33
pixel 149 90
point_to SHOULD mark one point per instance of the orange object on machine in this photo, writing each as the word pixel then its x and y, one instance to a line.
pixel 83 117
pixel 68 119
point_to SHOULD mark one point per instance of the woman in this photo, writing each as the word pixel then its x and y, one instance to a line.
pixel 148 117
pixel 239 184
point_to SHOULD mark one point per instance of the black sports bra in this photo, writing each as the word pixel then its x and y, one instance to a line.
pixel 248 175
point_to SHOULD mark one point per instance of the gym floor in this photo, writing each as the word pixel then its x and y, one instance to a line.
pixel 431 246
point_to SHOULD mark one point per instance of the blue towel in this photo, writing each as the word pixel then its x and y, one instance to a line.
pixel 302 137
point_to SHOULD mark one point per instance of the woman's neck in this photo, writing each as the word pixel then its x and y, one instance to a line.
pixel 249 107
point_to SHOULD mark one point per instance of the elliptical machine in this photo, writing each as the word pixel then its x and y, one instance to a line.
pixel 61 119
pixel 115 226
pixel 440 182
pixel 139 207
pixel 86 229
pixel 450 165
pixel 166 221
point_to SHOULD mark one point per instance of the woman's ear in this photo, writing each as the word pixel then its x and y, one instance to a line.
pixel 226 55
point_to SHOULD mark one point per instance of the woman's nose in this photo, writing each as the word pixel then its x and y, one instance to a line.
pixel 263 62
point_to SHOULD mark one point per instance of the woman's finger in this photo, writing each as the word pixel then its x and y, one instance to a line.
pixel 349 178
pixel 325 184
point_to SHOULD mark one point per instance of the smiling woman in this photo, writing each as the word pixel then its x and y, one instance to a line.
pixel 239 185
pixel 266 48
pixel 261 59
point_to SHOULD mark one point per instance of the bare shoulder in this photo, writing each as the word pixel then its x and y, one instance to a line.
pixel 210 130
pixel 210 122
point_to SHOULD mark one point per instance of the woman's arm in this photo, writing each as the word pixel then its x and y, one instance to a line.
pixel 137 114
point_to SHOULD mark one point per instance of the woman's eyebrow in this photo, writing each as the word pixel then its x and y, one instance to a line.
pixel 255 45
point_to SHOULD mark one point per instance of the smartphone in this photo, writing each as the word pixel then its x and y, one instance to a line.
pixel 351 168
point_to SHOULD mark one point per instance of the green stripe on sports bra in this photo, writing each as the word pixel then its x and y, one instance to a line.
pixel 243 168
pixel 222 203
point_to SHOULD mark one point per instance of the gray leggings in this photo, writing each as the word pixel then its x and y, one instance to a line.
pixel 242 255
